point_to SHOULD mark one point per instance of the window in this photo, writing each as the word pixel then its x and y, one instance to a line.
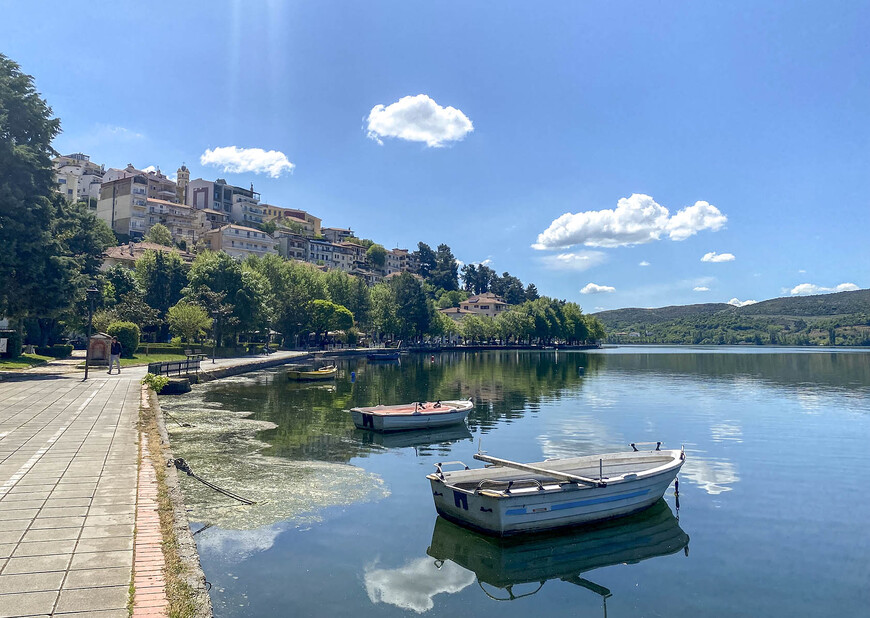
pixel 62 181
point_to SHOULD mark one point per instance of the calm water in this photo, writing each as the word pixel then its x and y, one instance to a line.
pixel 774 500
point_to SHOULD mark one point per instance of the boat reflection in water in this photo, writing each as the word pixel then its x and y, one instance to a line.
pixel 505 563
pixel 421 437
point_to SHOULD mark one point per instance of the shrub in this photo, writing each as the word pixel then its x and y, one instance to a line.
pixel 13 343
pixel 155 381
pixel 55 351
pixel 128 334
pixel 176 341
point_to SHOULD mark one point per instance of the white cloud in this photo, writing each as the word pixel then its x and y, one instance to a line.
pixel 802 271
pixel 718 257
pixel 741 303
pixel 594 288
pixel 692 219
pixel 412 586
pixel 643 263
pixel 418 119
pixel 241 160
pixel 810 288
pixel 114 131
pixel 635 220
pixel 701 288
pixel 577 261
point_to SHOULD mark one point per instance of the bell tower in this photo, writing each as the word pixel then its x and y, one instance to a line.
pixel 181 183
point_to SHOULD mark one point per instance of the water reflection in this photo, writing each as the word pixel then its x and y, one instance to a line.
pixel 413 585
pixel 714 477
pixel 503 564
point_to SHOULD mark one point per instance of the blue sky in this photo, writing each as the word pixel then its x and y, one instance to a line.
pixel 746 121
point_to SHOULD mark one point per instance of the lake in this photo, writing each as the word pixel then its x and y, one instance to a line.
pixel 773 503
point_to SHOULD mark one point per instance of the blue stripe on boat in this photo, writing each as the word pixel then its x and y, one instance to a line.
pixel 572 505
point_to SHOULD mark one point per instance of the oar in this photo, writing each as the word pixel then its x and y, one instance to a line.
pixel 551 473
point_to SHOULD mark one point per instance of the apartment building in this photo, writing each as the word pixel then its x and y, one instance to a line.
pixel 239 203
pixel 183 222
pixel 336 234
pixel 310 225
pixel 77 178
pixel 487 304
pixel 397 261
pixel 124 196
pixel 291 246
pixel 239 241
pixel 214 218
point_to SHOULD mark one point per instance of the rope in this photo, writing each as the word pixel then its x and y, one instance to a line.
pixel 180 424
pixel 182 465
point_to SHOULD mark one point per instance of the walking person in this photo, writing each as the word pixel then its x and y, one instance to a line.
pixel 115 355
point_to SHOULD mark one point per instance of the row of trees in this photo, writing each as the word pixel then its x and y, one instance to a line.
pixel 164 296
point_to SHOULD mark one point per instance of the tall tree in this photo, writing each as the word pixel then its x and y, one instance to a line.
pixel 424 258
pixel 445 275
pixel 413 312
pixel 162 276
pixel 26 185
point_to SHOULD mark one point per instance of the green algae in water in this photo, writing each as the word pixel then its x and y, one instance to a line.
pixel 222 447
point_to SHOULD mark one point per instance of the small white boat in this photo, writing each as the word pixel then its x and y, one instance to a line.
pixel 509 498
pixel 417 415
pixel 324 373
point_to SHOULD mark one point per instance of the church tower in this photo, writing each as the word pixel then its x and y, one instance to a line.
pixel 181 183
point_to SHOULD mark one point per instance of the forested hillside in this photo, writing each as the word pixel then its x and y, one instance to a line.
pixel 825 319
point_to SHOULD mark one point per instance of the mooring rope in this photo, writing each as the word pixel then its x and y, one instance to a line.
pixel 182 465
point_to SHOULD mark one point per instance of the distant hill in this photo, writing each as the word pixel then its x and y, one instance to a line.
pixel 842 318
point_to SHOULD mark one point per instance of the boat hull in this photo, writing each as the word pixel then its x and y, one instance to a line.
pixel 407 422
pixel 557 506
pixel 310 376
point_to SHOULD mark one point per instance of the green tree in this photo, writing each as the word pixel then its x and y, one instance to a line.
pixel 327 315
pixel 413 313
pixel 244 289
pixel 162 276
pixel 376 256
pixel 383 311
pixel 425 260
pixel 188 321
pixel 26 185
pixel 122 281
pixel 445 275
pixel 532 292
pixel 160 235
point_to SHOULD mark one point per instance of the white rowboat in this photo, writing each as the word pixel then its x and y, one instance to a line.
pixel 418 415
pixel 513 498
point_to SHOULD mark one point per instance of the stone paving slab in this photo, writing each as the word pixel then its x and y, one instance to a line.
pixel 68 474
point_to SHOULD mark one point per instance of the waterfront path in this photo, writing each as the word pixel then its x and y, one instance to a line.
pixel 68 489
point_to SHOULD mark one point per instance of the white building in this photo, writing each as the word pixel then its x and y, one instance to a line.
pixel 124 196
pixel 77 178
pixel 242 205
pixel 239 241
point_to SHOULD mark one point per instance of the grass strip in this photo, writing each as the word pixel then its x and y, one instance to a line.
pixel 179 593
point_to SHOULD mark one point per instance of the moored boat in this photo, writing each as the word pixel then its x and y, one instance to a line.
pixel 324 373
pixel 565 554
pixel 509 498
pixel 417 415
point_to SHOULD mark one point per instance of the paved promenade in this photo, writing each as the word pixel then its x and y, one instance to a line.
pixel 68 470
pixel 68 489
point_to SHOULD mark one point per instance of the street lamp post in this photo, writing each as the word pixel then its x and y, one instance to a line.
pixel 214 317
pixel 92 293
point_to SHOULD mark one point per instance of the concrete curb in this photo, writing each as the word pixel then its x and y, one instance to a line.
pixel 187 550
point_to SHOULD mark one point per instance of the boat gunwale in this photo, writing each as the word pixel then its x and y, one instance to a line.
pixel 676 461
pixel 455 407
